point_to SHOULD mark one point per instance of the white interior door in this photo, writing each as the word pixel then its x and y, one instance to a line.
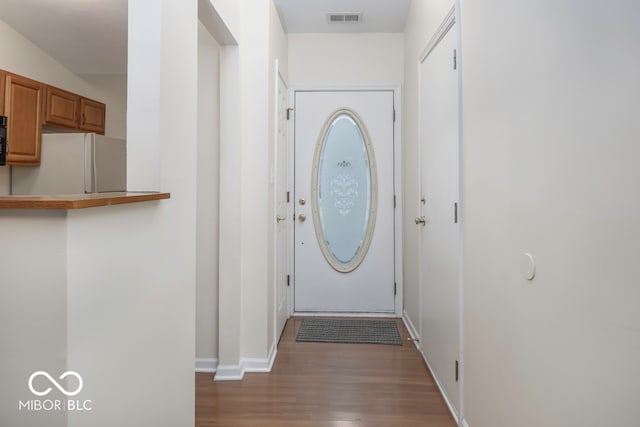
pixel 439 164
pixel 282 217
pixel 344 201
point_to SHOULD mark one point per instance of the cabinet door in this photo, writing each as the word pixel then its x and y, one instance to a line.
pixel 92 115
pixel 23 99
pixel 61 108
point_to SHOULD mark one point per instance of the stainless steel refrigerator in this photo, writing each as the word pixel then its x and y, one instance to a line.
pixel 74 163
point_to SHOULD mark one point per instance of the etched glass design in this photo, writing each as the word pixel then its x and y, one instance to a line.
pixel 344 191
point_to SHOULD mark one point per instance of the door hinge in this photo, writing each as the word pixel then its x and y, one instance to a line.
pixel 395 288
pixel 457 370
pixel 395 201
pixel 455 59
pixel 394 115
pixel 288 197
pixel 289 110
pixel 455 212
pixel 288 280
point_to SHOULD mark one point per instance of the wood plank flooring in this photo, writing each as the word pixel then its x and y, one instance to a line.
pixel 337 385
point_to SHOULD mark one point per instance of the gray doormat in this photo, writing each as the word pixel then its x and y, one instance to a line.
pixel 356 331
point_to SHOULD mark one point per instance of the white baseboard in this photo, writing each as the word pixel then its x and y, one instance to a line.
pixel 260 365
pixel 272 354
pixel 247 364
pixel 206 365
pixel 413 332
pixel 229 373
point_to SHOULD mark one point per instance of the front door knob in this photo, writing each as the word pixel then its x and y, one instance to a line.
pixel 302 217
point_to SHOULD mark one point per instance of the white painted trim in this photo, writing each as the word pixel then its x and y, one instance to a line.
pixel 398 151
pixel 275 178
pixel 464 423
pixel 341 314
pixel 247 364
pixel 345 88
pixel 461 214
pixel 398 177
pixel 229 373
pixel 206 365
pixel 291 206
pixel 273 352
pixel 442 31
pixel 420 194
pixel 250 364
pixel 413 332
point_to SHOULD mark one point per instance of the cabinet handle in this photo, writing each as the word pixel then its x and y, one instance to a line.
pixel 84 118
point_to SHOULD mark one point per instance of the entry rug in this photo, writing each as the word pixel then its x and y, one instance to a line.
pixel 356 331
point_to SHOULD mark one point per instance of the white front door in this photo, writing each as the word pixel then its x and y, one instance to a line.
pixel 344 201
pixel 440 259
pixel 282 217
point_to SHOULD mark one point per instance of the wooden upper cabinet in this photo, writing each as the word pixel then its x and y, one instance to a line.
pixel 23 100
pixel 29 105
pixel 92 115
pixel 61 108
pixel 66 109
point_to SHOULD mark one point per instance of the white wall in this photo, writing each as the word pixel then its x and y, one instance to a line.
pixel 551 99
pixel 230 266
pixel 208 196
pixel 33 310
pixel 345 59
pixel 113 90
pixel 229 12
pixel 254 215
pixel 21 56
pixel 262 40
pixel 246 312
pixel 132 268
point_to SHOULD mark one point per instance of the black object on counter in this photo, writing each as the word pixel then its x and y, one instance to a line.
pixel 3 140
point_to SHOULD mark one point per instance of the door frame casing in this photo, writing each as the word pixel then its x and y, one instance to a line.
pixel 396 89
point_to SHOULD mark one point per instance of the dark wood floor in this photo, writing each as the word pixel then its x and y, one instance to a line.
pixel 337 385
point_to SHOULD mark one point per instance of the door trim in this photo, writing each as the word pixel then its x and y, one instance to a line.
pixel 397 184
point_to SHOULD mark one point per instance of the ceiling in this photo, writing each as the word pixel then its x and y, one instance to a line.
pixel 90 36
pixel 86 36
pixel 310 16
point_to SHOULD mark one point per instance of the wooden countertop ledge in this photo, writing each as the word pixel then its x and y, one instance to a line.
pixel 77 201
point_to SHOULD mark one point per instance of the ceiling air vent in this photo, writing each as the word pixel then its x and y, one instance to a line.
pixel 344 18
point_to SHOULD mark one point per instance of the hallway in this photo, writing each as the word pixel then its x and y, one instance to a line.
pixel 328 385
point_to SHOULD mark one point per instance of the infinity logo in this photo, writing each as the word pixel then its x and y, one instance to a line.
pixel 55 383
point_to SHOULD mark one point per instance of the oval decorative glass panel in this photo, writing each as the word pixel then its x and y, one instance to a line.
pixel 344 191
